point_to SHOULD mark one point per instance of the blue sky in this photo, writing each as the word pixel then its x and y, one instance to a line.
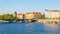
pixel 23 6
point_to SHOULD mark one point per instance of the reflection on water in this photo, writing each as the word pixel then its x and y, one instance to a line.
pixel 52 25
pixel 29 28
pixel 39 28
pixel 52 28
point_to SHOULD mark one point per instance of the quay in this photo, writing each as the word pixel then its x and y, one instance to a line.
pixel 37 20
pixel 48 20
pixel 3 21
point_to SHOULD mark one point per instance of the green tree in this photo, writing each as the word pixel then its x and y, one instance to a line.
pixel 1 17
pixel 42 16
pixel 7 16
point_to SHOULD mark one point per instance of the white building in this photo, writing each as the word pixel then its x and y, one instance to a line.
pixel 52 14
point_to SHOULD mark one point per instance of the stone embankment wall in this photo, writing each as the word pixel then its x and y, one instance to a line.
pixel 3 21
pixel 48 20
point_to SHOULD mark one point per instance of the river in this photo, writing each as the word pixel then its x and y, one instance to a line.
pixel 29 28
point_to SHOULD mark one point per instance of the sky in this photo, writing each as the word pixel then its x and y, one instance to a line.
pixel 23 6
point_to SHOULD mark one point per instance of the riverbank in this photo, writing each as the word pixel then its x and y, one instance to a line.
pixel 48 20
pixel 3 21
pixel 41 21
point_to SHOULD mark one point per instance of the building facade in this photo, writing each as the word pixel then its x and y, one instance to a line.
pixel 33 15
pixel 52 14
pixel 19 16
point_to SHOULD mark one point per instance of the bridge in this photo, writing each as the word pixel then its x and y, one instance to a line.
pixel 20 20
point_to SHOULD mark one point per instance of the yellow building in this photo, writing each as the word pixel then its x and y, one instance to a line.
pixel 29 16
pixel 19 16
pixel 33 15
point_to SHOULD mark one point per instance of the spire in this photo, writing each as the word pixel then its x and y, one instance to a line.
pixel 15 16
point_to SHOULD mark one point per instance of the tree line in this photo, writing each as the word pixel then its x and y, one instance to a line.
pixel 6 16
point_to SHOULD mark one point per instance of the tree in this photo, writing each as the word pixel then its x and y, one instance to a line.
pixel 1 17
pixel 8 16
pixel 42 16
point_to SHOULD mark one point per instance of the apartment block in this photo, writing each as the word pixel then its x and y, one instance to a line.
pixel 52 14
pixel 19 16
pixel 33 15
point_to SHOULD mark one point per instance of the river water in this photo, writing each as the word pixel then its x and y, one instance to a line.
pixel 29 28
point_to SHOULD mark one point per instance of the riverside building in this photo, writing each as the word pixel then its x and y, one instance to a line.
pixel 52 13
pixel 18 16
pixel 33 15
